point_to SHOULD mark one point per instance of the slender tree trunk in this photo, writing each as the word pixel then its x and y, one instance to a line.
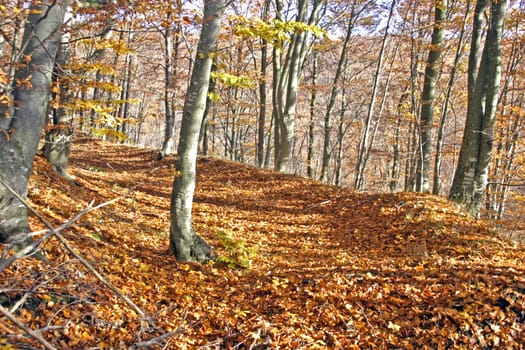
pixel 436 185
pixel 20 134
pixel 363 146
pixel 335 91
pixel 205 126
pixel 429 91
pixel 269 142
pixel 169 58
pixel 261 120
pixel 396 152
pixel 184 242
pixel 124 115
pixel 411 161
pixel 470 179
pixel 311 124
pixel 277 69
pixel 59 135
pixel 340 140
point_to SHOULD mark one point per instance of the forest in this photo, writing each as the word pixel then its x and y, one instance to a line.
pixel 262 174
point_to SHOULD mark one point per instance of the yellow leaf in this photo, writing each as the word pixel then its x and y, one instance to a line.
pixel 393 326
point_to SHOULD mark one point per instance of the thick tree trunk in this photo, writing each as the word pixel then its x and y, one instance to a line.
pixel 20 134
pixel 288 81
pixel 13 59
pixel 184 242
pixel 429 91
pixel 470 179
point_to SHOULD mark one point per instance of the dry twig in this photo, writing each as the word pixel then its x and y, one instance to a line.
pixel 56 233
pixel 36 335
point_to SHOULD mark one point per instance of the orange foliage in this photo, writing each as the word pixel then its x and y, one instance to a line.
pixel 332 269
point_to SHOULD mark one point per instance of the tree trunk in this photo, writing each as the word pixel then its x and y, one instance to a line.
pixel 340 140
pixel 205 126
pixel 335 91
pixel 359 181
pixel 470 179
pixel 261 120
pixel 429 91
pixel 311 124
pixel 59 135
pixel 436 186
pixel 396 152
pixel 288 81
pixel 184 242
pixel 122 122
pixel 169 131
pixel 20 134
pixel 15 57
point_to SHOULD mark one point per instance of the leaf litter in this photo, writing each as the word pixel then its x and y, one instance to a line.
pixel 328 268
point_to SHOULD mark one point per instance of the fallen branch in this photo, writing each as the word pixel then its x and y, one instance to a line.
pixel 36 335
pixel 47 233
pixel 99 276
pixel 157 340
pixel 54 232
pixel 339 195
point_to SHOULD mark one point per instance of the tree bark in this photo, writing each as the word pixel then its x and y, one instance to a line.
pixel 59 133
pixel 335 90
pixel 311 124
pixel 359 181
pixel 429 92
pixel 184 242
pixel 170 55
pixel 20 134
pixel 288 81
pixel 261 119
pixel 470 179
pixel 436 185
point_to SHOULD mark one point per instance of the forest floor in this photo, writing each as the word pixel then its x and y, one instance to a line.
pixel 303 265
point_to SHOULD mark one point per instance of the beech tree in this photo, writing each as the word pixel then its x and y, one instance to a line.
pixel 184 242
pixel 20 133
pixel 365 144
pixel 355 13
pixel 440 139
pixel 470 179
pixel 59 134
pixel 428 94
pixel 171 52
pixel 287 72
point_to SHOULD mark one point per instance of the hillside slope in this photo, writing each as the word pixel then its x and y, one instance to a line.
pixel 328 267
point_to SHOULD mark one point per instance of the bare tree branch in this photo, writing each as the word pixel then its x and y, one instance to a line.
pixel 157 340
pixel 54 232
pixel 36 335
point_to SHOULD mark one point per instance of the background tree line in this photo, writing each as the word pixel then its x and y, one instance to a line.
pixel 400 95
